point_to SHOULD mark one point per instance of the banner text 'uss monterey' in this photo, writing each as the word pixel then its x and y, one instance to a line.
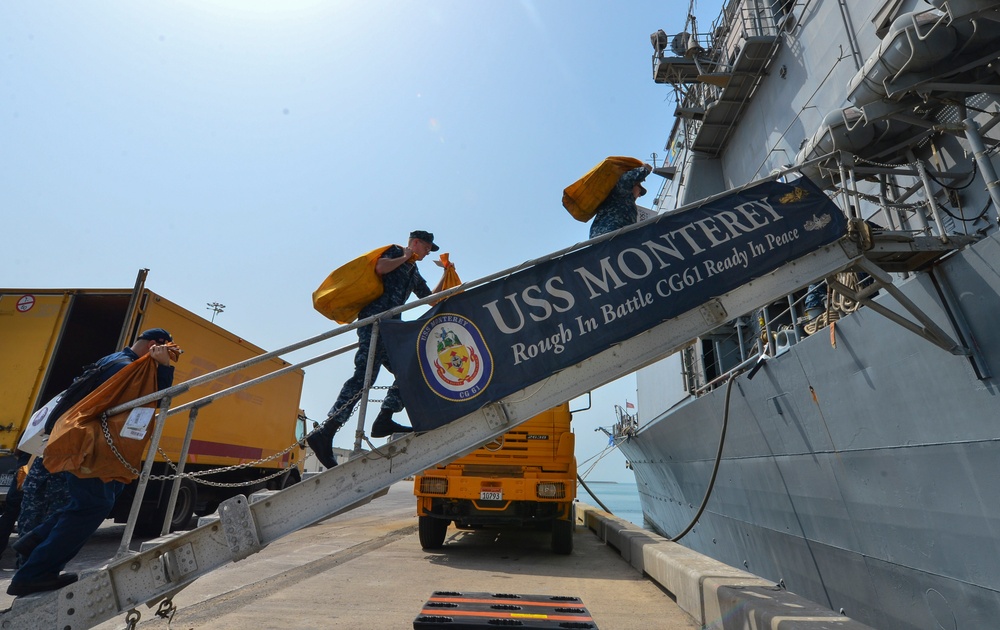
pixel 486 343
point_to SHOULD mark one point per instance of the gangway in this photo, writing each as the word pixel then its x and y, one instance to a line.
pixel 166 565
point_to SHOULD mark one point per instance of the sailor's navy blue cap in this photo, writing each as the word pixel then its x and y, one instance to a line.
pixel 426 236
pixel 156 334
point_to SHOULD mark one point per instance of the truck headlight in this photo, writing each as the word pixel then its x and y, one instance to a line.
pixel 433 485
pixel 550 490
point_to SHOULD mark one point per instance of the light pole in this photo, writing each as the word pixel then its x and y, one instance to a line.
pixel 216 308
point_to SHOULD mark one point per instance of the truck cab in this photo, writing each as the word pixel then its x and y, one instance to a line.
pixel 525 478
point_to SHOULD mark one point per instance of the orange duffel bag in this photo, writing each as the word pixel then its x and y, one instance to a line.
pixel 583 196
pixel 349 288
pixel 78 443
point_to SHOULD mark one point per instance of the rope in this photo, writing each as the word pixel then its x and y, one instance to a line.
pixel 842 303
pixel 837 305
pixel 597 459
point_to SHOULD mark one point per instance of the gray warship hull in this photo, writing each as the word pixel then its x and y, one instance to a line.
pixel 860 461
pixel 862 476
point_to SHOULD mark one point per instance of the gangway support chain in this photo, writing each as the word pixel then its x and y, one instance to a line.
pixel 164 566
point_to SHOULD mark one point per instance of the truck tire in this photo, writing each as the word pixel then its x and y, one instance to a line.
pixel 281 482
pixel 562 537
pixel 151 520
pixel 432 532
pixel 187 497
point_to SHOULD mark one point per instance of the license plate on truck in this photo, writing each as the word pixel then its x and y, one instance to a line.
pixel 491 493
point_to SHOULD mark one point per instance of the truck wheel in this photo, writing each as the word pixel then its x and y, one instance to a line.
pixel 562 537
pixel 187 496
pixel 283 481
pixel 432 532
pixel 151 520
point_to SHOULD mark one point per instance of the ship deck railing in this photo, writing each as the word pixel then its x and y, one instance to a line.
pixel 915 240
pixel 717 73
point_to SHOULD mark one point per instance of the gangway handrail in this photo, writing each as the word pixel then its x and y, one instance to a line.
pixel 222 393
pixel 165 566
pixel 170 567
pixel 436 297
pixel 165 396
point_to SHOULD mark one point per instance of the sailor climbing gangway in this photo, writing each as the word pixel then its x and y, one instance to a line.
pixel 650 288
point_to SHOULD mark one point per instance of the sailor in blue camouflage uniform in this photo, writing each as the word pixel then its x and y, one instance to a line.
pixel 398 268
pixel 618 209
pixel 72 517
pixel 44 493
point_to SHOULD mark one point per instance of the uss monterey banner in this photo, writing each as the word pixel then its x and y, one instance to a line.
pixel 481 345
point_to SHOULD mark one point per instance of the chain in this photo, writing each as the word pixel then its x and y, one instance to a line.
pixel 876 200
pixel 196 476
pixel 111 443
pixel 166 610
pixel 884 165
pixel 205 473
pixel 132 618
pixel 377 400
pixel 235 484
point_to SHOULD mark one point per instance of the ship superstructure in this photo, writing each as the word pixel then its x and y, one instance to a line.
pixel 850 426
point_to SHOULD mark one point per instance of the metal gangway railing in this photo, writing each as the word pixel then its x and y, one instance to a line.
pixel 164 566
pixel 898 195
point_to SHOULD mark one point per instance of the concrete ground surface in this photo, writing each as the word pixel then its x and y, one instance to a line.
pixel 365 569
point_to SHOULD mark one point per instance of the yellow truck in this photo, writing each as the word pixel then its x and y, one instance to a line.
pixel 525 478
pixel 48 335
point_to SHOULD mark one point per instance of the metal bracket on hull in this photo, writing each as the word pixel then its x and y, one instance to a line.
pixel 882 280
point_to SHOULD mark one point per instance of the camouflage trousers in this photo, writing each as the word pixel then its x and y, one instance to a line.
pixel 349 394
pixel 44 493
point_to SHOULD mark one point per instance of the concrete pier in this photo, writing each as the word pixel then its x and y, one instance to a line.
pixel 365 569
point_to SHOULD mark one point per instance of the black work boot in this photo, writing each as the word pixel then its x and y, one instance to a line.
pixel 384 425
pixel 321 442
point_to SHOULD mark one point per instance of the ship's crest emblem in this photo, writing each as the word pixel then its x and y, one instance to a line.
pixel 454 359
pixel 817 223
pixel 456 362
pixel 798 194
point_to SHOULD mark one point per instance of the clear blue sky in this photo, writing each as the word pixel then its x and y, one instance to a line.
pixel 242 149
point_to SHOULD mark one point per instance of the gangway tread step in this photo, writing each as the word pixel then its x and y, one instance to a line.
pixel 898 252
pixel 243 528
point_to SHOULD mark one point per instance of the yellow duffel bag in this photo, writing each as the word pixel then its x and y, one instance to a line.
pixel 583 196
pixel 349 288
